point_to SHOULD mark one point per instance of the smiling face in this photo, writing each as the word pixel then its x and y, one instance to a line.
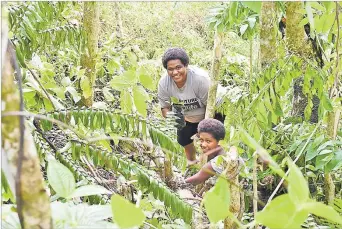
pixel 207 142
pixel 177 71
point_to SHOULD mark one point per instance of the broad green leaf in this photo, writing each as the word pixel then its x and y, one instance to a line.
pixel 329 21
pixel 281 213
pixel 48 70
pixel 126 214
pixel 140 96
pixel 328 6
pixel 312 150
pixel 29 98
pixel 255 6
pixel 326 102
pixel 88 190
pixel 310 16
pixel 85 86
pixel 322 160
pixel 277 109
pixel 217 201
pixel 112 66
pixel 325 211
pixel 303 22
pixel 335 163
pixel 60 178
pixel 132 58
pixel 317 6
pixel 126 101
pixel 60 92
pixel 120 83
pixel 298 186
pixel 74 94
pixel 147 81
pixel 130 76
pixel 248 140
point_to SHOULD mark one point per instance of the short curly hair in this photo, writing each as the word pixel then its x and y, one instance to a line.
pixel 213 127
pixel 174 54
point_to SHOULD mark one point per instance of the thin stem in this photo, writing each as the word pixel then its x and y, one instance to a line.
pixel 24 113
pixel 250 65
pixel 255 184
pixel 40 84
pixel 296 159
pixel 337 52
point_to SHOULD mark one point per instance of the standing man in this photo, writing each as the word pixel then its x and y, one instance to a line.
pixel 190 86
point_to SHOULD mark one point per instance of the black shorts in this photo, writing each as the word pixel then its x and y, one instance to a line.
pixel 184 135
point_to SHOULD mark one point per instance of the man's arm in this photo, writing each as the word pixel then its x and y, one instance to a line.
pixel 204 174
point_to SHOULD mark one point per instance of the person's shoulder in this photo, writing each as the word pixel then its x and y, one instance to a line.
pixel 165 79
pixel 199 73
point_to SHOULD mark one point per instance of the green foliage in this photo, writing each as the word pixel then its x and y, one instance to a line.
pixel 132 94
pixel 6 192
pixel 63 182
pixel 69 215
pixel 125 214
pixel 290 210
pixel 217 201
pixel 39 25
pixel 132 170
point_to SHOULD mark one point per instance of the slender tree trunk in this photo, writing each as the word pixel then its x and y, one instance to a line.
pixel 232 173
pixel 268 54
pixel 268 19
pixel 298 44
pixel 329 186
pixel 168 173
pixel 88 59
pixel 215 70
pixel 118 20
pixel 33 205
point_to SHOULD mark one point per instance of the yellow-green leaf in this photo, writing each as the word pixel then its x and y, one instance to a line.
pixel 126 101
pixel 60 178
pixel 298 186
pixel 325 211
pixel 86 87
pixel 217 200
pixel 140 96
pixel 281 213
pixel 126 214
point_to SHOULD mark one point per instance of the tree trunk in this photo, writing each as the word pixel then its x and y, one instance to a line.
pixel 232 174
pixel 33 204
pixel 268 54
pixel 118 20
pixel 88 59
pixel 215 70
pixel 168 173
pixel 268 19
pixel 298 44
pixel 329 186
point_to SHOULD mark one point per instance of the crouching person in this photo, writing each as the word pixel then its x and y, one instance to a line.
pixel 210 132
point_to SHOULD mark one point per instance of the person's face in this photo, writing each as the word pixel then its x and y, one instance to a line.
pixel 207 142
pixel 177 71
